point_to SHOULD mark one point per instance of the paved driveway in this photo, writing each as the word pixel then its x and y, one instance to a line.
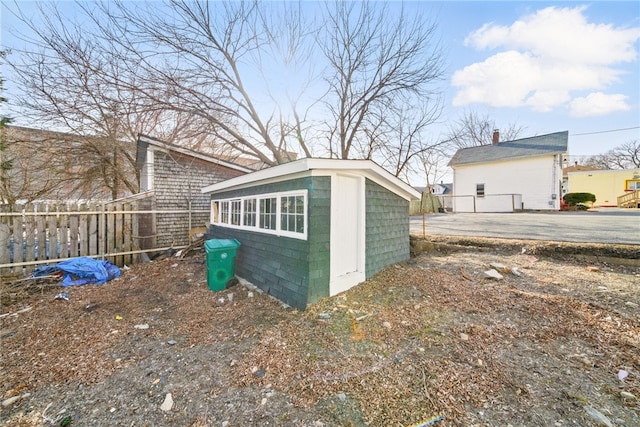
pixel 608 226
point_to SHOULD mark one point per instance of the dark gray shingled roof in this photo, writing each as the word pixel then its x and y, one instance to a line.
pixel 542 145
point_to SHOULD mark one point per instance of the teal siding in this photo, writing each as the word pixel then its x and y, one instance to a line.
pixel 294 271
pixel 387 228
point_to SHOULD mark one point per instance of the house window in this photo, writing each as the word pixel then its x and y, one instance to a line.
pixel 480 190
pixel 283 213
pixel 250 213
pixel 268 212
pixel 633 184
pixel 236 212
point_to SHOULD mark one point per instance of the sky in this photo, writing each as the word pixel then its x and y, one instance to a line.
pixel 545 66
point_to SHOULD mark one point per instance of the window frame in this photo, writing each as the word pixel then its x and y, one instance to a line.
pixel 635 182
pixel 224 209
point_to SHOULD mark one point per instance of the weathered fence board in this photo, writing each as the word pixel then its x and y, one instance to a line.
pixel 42 233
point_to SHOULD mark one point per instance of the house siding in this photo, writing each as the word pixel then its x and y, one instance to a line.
pixel 178 180
pixel 606 185
pixel 293 270
pixel 387 228
pixel 535 179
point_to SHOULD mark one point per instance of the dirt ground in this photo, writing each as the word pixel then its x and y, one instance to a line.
pixel 555 342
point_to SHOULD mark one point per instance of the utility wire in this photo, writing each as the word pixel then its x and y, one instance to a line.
pixel 605 131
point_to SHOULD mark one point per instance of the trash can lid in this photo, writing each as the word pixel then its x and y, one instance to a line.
pixel 214 244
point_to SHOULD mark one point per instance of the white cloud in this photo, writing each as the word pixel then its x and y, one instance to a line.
pixel 545 57
pixel 598 104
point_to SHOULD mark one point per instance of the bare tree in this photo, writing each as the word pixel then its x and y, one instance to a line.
pixel 472 130
pixel 377 62
pixel 203 71
pixel 625 156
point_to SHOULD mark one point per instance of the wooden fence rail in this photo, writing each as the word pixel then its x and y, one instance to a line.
pixel 42 233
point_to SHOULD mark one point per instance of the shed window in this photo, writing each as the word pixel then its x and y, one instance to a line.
pixel 236 212
pixel 224 211
pixel 268 212
pixel 282 213
pixel 250 212
pixel 480 190
pixel 292 213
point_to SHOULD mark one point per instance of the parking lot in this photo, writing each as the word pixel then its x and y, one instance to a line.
pixel 621 226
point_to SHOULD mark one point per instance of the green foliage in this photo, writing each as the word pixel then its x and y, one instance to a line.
pixel 574 199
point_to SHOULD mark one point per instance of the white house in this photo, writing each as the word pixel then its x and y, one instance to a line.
pixel 510 175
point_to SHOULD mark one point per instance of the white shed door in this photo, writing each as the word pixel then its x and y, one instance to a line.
pixel 347 232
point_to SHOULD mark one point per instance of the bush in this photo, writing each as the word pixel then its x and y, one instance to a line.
pixel 574 199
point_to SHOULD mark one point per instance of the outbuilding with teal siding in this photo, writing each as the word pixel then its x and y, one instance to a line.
pixel 313 228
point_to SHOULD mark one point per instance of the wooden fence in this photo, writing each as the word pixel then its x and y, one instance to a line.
pixel 43 233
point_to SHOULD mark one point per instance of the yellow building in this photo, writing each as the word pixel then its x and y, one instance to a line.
pixel 606 185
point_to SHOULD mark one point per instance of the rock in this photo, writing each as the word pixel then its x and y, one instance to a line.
pixel 464 337
pixel 498 266
pixel 598 417
pixel 593 268
pixel 627 395
pixel 142 326
pixel 168 403
pixel 249 294
pixel 10 401
pixel 516 272
pixel 341 396
pixel 622 374
pixel 172 342
pixel 257 372
pixel 493 274
pixel 631 304
pixel 324 316
pixel 230 297
pixel 386 325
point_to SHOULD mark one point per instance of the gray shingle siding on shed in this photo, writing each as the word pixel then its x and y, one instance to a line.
pixel 294 271
pixel 542 145
pixel 178 180
pixel 387 228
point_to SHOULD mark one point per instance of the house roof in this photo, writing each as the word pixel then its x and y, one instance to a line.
pixel 578 168
pixel 536 146
pixel 317 167
pixel 144 141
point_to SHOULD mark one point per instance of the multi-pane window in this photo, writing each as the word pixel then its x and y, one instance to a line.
pixel 292 213
pixel 249 212
pixel 236 212
pixel 279 213
pixel 633 184
pixel 268 212
pixel 224 211
pixel 480 190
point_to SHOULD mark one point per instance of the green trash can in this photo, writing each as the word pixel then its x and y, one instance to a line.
pixel 221 256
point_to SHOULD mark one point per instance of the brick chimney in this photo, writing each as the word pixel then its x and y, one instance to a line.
pixel 496 136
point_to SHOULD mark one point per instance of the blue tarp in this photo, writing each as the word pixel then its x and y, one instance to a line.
pixel 81 271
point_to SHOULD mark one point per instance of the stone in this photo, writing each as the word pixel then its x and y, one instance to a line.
pixel 10 401
pixel 516 272
pixel 627 395
pixel 493 274
pixel 593 269
pixel 172 342
pixel 598 417
pixel 142 326
pixel 386 325
pixel 464 337
pixel 631 304
pixel 168 403
pixel 498 266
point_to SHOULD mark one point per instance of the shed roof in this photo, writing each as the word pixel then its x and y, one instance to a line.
pixel 144 141
pixel 536 146
pixel 317 167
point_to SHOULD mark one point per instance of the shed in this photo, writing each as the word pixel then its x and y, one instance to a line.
pixel 313 228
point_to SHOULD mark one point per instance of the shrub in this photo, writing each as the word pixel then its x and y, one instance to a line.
pixel 573 199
